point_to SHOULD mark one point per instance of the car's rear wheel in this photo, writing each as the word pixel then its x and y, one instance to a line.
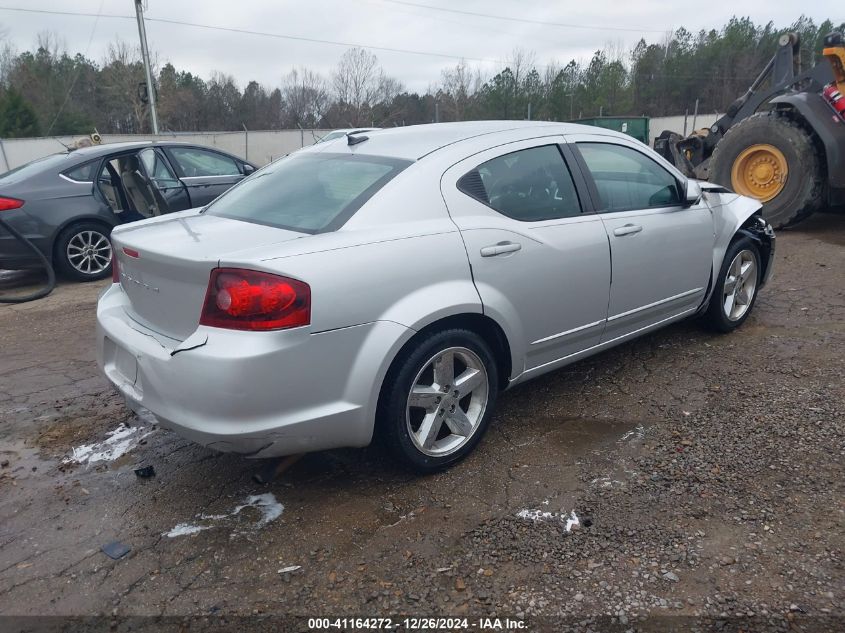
pixel 438 399
pixel 736 288
pixel 83 252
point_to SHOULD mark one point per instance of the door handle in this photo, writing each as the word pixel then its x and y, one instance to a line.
pixel 501 248
pixel 628 229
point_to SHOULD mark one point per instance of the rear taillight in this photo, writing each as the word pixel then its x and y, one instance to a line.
pixel 7 204
pixel 251 300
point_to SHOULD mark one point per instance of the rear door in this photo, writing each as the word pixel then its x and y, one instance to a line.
pixel 540 260
pixel 206 173
pixel 661 248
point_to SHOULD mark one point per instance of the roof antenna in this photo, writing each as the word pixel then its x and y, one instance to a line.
pixel 354 140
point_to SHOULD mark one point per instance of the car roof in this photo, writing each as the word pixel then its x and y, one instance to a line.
pixel 416 141
pixel 95 151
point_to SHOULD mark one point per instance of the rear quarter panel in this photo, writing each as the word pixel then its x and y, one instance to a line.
pixel 51 206
pixel 411 280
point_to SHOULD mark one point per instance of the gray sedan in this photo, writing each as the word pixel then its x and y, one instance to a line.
pixel 393 282
pixel 67 204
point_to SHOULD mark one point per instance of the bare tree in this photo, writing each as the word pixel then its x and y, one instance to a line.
pixel 306 98
pixel 8 53
pixel 121 75
pixel 52 43
pixel 458 85
pixel 358 84
pixel 521 62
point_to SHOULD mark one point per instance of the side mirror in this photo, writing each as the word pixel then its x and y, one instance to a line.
pixel 692 193
pixel 248 169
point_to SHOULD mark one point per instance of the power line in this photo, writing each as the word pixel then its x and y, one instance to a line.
pixel 315 40
pixel 476 26
pixel 79 69
pixel 281 36
pixel 526 20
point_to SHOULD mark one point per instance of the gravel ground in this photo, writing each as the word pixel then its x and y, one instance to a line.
pixel 705 471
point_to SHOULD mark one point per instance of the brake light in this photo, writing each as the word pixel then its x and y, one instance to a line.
pixel 239 299
pixel 7 204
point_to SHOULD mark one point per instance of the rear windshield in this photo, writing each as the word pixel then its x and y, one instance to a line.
pixel 33 168
pixel 308 192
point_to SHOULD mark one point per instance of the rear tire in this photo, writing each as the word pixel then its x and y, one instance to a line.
pixel 735 291
pixel 83 252
pixel 437 400
pixel 801 193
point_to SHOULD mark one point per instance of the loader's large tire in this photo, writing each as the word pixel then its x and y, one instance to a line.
pixel 772 158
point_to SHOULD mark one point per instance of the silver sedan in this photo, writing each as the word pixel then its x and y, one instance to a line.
pixel 394 282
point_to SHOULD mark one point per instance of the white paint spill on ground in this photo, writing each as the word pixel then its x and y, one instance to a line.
pixel 569 521
pixel 184 529
pixel 636 433
pixel 266 504
pixel 117 443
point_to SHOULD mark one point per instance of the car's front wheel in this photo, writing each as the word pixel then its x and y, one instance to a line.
pixel 736 288
pixel 438 399
pixel 83 252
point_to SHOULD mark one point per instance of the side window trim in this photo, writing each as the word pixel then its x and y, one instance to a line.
pixel 593 188
pixel 573 174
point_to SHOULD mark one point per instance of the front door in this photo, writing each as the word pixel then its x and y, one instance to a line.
pixel 171 195
pixel 206 173
pixel 540 262
pixel 661 248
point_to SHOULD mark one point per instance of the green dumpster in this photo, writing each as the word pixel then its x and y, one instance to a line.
pixel 636 126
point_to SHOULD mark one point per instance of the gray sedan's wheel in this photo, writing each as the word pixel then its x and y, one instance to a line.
pixel 438 398
pixel 736 288
pixel 83 252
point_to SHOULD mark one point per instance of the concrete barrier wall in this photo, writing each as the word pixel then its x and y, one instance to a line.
pixel 258 147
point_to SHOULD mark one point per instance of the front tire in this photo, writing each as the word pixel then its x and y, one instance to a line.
pixel 83 252
pixel 736 287
pixel 438 399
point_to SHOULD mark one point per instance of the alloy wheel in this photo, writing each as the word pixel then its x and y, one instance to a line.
pixel 89 252
pixel 740 285
pixel 447 401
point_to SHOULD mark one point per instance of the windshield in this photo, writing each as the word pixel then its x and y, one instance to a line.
pixel 37 166
pixel 308 192
pixel 332 135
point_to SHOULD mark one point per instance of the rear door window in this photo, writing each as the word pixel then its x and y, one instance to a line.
pixel 308 192
pixel 529 185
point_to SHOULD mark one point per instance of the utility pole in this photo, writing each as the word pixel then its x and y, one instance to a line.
pixel 145 54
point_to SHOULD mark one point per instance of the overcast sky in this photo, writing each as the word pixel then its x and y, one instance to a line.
pixel 382 23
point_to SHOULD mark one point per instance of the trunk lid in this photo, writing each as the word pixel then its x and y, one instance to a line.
pixel 165 264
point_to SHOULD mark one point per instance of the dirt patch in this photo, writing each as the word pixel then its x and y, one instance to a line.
pixel 60 435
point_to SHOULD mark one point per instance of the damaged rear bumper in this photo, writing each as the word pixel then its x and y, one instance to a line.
pixel 262 394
